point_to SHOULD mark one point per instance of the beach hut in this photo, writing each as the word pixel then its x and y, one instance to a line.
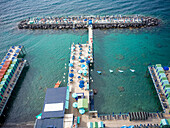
pixel 100 124
pixel 83 103
pixel 90 125
pixel 164 123
pixel 95 124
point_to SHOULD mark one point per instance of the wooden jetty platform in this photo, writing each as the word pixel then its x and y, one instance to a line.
pixel 10 73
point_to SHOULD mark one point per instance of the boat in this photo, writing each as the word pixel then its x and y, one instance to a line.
pixel 110 70
pixel 120 70
pixel 132 70
pixel 99 72
pixel 57 84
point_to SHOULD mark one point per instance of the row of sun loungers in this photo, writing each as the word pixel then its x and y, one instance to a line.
pixel 147 126
pixel 116 117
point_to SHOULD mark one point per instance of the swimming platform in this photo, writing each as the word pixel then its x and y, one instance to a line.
pixel 11 68
pixel 82 22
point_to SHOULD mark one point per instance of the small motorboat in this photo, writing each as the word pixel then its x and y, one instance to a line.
pixel 120 71
pixel 99 72
pixel 132 70
pixel 110 70
pixel 57 84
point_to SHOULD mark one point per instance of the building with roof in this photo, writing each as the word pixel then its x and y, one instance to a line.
pixel 53 112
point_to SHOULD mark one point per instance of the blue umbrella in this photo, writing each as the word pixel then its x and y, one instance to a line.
pixel 82 60
pixel 19 46
pixel 10 50
pixel 4 60
pixel 82 65
pixel 80 48
pixel 6 57
pixel 75 105
pixel 81 85
pixel 70 65
pixel 84 71
pixel 81 111
pixel 166 68
pixel 0 67
pixel 17 51
pixel 72 70
pixel 88 61
pixel 71 80
pixel 2 64
pixel 81 81
pixel 8 53
pixel 79 76
pixel 80 53
pixel 79 57
pixel 85 19
pixel 80 71
pixel 71 75
pixel 13 47
pixel 74 95
pixel 124 127
pixel 15 54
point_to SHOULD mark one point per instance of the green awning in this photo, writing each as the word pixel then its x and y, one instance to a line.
pixel 169 101
pixel 95 124
pixel 161 71
pixel 83 103
pixel 158 65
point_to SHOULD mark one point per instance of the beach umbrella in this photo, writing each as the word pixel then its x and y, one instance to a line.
pixel 71 75
pixel 80 53
pixel 6 57
pixel 17 51
pixel 80 48
pixel 80 71
pixel 74 95
pixel 19 46
pixel 72 70
pixel 13 47
pixel 4 60
pixel 82 60
pixel 85 19
pixel 166 68
pixel 81 85
pixel 82 65
pixel 85 79
pixel 79 57
pixel 71 80
pixel 85 68
pixel 79 77
pixel 84 71
pixel 75 105
pixel 88 61
pixel 2 64
pixel 15 54
pixel 70 65
pixel 82 111
pixel 81 81
pixel 124 127
pixel 10 50
pixel 8 53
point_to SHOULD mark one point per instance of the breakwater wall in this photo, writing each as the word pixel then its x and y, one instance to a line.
pixel 83 22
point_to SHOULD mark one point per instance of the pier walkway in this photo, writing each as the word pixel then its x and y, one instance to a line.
pixel 161 93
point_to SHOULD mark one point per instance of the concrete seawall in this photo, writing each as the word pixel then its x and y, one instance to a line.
pixel 82 23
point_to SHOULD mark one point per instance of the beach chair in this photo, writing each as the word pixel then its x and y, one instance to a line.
pixel 78 120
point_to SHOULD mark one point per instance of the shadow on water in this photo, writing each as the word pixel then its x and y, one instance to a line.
pixel 12 98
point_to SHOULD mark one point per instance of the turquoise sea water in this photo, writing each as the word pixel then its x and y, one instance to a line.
pixel 48 51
